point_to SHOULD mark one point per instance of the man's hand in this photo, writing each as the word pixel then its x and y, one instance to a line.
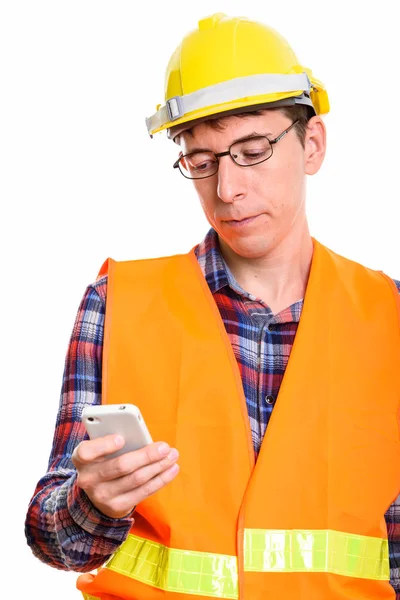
pixel 116 485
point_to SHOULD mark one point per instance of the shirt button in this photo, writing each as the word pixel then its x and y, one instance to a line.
pixel 271 327
pixel 269 399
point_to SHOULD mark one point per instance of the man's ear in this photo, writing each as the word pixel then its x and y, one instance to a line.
pixel 314 145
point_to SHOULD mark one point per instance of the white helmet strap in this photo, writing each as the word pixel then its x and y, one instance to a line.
pixel 227 91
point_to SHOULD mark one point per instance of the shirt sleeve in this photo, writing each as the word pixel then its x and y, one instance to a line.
pixel 63 528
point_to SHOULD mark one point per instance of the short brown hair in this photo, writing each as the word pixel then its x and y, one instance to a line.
pixel 298 112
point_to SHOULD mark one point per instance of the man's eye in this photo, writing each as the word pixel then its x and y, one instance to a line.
pixel 255 154
pixel 203 166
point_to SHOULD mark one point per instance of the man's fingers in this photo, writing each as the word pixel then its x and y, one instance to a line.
pixel 122 504
pixel 138 477
pixel 156 483
pixel 134 462
pixel 90 451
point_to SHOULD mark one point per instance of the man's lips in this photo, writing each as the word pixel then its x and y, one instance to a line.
pixel 241 222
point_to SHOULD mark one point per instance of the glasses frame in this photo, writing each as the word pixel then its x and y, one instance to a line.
pixel 218 155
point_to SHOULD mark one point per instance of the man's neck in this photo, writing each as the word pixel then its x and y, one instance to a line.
pixel 281 277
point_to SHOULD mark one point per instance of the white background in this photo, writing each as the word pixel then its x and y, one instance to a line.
pixel 80 180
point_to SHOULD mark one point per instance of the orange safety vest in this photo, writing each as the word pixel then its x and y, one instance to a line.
pixel 307 520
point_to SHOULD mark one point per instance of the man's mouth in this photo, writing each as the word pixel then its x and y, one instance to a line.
pixel 241 222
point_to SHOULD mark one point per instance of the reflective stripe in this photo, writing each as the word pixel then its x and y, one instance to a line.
pixel 265 551
pixel 316 551
pixel 228 91
pixel 174 570
pixel 89 597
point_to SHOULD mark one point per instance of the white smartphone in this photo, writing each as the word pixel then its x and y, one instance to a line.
pixel 122 419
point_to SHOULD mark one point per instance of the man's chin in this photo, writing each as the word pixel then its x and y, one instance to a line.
pixel 252 247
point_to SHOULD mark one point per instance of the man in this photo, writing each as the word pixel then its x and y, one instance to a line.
pixel 289 472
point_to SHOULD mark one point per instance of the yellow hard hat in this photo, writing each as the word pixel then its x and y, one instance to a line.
pixel 228 65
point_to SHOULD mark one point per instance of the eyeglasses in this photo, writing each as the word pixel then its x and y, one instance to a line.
pixel 245 153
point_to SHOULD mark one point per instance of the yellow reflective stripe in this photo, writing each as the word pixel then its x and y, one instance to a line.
pixel 265 551
pixel 316 551
pixel 172 570
pixel 89 597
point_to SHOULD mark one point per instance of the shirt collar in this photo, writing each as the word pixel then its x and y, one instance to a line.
pixel 211 262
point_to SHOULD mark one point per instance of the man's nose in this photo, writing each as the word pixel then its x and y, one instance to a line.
pixel 231 185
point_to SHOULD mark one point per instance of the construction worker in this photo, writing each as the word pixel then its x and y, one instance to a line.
pixel 270 477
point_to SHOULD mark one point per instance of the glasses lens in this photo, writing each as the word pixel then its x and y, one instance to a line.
pixel 198 165
pixel 251 151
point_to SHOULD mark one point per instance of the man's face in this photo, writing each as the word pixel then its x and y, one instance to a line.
pixel 253 209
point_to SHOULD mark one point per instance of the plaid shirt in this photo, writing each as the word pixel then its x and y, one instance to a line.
pixel 62 527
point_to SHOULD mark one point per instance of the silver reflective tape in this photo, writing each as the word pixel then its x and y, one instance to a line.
pixel 228 91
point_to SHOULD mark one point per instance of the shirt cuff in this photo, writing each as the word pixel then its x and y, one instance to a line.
pixel 91 520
